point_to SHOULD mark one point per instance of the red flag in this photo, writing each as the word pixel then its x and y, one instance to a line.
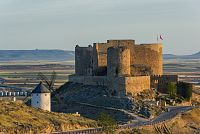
pixel 161 37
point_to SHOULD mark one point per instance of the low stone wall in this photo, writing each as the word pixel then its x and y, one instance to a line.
pixel 119 86
pixel 160 81
pixel 137 84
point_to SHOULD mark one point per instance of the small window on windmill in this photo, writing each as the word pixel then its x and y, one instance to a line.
pixel 37 102
pixel 37 94
pixel 45 94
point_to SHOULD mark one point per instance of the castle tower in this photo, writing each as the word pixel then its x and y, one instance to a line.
pixel 41 97
pixel 153 58
pixel 83 60
pixel 118 61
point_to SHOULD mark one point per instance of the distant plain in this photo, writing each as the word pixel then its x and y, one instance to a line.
pixel 25 73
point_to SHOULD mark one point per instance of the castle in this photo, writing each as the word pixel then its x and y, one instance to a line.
pixel 121 65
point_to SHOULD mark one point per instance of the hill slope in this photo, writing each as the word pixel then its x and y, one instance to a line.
pixel 96 99
pixel 51 55
pixel 19 118
pixel 62 55
pixel 171 56
pixel 184 123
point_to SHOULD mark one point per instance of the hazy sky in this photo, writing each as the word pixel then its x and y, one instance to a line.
pixel 61 24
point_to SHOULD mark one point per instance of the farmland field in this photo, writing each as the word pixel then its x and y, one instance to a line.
pixel 188 70
pixel 25 74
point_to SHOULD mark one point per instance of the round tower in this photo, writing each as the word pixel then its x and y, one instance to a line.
pixel 118 61
pixel 155 57
pixel 41 97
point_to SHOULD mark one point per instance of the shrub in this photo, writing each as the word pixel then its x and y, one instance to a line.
pixel 108 124
pixel 184 90
pixel 171 88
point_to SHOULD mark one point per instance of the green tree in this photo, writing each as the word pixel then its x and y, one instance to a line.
pixel 108 124
pixel 185 90
pixel 171 88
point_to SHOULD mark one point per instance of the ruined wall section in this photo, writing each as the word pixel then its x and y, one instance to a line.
pixel 84 60
pixel 149 55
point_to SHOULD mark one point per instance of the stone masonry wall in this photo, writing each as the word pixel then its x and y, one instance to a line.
pixel 119 86
pixel 137 84
pixel 83 60
pixel 100 51
pixel 160 81
pixel 118 61
pixel 93 60
pixel 150 55
pixel 89 80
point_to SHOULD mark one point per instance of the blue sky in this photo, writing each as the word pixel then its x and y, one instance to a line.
pixel 61 24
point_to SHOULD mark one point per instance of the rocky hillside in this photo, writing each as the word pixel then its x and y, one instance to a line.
pixel 91 101
pixel 172 56
pixel 18 118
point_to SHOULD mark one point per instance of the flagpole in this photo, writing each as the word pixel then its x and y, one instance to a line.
pixel 157 38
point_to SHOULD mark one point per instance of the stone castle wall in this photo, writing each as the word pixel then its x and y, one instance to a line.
pixel 160 81
pixel 89 80
pixel 150 55
pixel 83 60
pixel 137 84
pixel 100 52
pixel 119 86
pixel 93 60
pixel 121 65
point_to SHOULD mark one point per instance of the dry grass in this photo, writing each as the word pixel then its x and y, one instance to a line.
pixel 15 116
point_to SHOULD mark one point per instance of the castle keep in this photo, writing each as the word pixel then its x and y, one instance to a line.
pixel 121 65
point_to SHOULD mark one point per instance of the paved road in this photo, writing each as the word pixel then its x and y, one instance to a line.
pixel 161 118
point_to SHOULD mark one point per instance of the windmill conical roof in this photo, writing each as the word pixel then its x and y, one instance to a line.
pixel 40 88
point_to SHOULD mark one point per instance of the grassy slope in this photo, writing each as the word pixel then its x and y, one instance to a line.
pixel 16 117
